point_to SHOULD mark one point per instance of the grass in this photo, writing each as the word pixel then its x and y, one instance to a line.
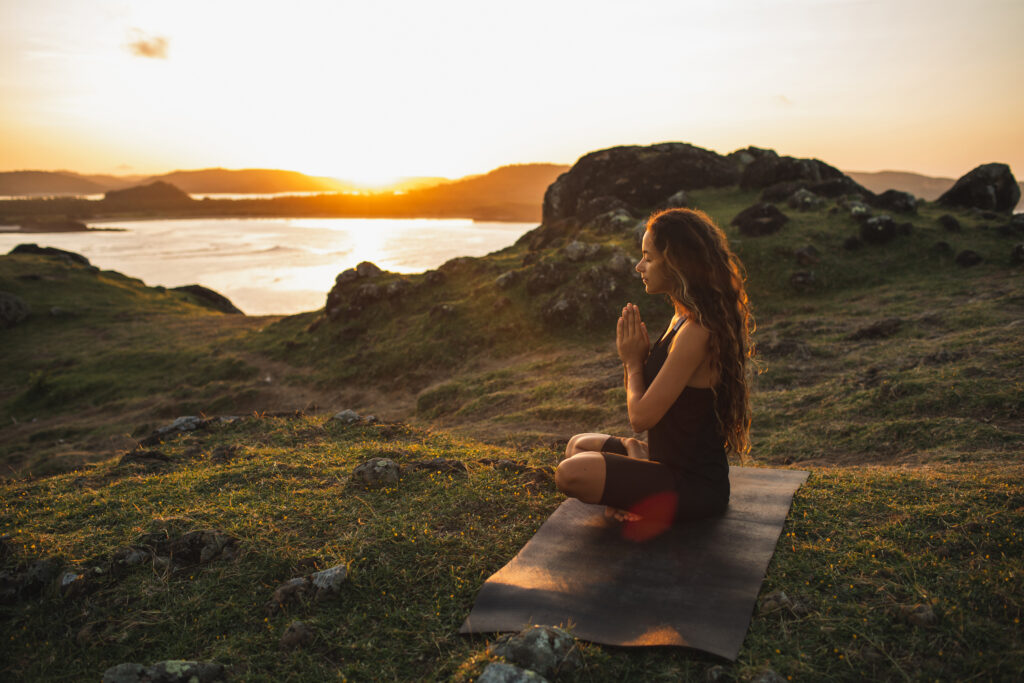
pixel 861 546
pixel 913 438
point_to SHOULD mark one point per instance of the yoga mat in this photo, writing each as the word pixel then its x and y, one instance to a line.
pixel 693 586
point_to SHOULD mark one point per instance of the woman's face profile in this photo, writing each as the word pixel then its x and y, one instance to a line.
pixel 653 268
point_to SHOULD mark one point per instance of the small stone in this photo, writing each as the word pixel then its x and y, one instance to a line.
pixel 545 649
pixel 346 417
pixel 501 672
pixel 13 309
pixel 296 635
pixel 184 671
pixel 329 580
pixel 129 672
pixel 507 279
pixel 767 676
pixel 717 674
pixel 289 591
pixel 802 279
pixel 949 223
pixel 377 472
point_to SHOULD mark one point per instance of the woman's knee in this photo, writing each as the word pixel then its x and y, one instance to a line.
pixel 582 477
pixel 584 442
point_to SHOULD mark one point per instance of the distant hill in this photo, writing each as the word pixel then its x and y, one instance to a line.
pixel 47 182
pixel 516 183
pixel 921 186
pixel 248 181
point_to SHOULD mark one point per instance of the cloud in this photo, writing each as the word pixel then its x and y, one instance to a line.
pixel 152 47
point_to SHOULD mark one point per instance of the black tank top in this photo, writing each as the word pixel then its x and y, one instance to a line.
pixel 688 437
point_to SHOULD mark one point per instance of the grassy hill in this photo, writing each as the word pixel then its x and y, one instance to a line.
pixel 889 371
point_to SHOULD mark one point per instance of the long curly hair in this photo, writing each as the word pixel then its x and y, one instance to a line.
pixel 709 284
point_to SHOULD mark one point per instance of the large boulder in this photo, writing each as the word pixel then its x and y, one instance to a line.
pixel 353 291
pixel 990 187
pixel 760 219
pixel 640 177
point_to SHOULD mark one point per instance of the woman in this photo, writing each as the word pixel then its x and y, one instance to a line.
pixel 689 391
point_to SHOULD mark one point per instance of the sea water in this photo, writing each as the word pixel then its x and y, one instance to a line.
pixel 269 266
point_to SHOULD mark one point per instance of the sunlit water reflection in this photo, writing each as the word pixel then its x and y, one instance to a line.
pixel 274 265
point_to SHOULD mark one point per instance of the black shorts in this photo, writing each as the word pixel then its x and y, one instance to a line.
pixel 629 482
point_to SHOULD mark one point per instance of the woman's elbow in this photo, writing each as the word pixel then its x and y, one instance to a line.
pixel 638 423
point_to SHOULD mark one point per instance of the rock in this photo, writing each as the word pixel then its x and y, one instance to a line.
pixel 807 255
pixel 328 582
pixel 592 207
pixel 205 296
pixel 170 671
pixel 73 583
pixel 949 223
pixel 895 200
pixel 805 200
pixel 346 417
pixel 13 310
pixel 802 279
pixel 717 674
pixel 508 279
pixel 767 676
pixel 546 650
pixel 376 472
pixel 577 251
pixel 880 329
pixel 202 546
pixel 442 311
pixel 620 264
pixel 289 591
pixel 770 169
pixel 35 249
pixel 186 423
pixel 296 635
pixel 613 222
pixel 918 615
pixel 987 187
pixel 968 258
pixel 760 219
pixel 500 672
pixel 1017 254
pixel 638 176
pixel 129 672
pixel 545 276
pixel 852 242
pixel 857 209
pixel 878 230
pixel 679 200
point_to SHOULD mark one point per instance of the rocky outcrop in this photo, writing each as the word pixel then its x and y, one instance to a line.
pixel 354 289
pixel 68 256
pixel 770 169
pixel 989 187
pixel 209 299
pixel 638 177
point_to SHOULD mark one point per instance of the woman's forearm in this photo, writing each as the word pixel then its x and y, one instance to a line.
pixel 635 388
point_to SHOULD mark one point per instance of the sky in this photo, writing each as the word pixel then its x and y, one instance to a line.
pixel 378 89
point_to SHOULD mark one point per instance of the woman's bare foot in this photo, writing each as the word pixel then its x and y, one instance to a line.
pixel 615 514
